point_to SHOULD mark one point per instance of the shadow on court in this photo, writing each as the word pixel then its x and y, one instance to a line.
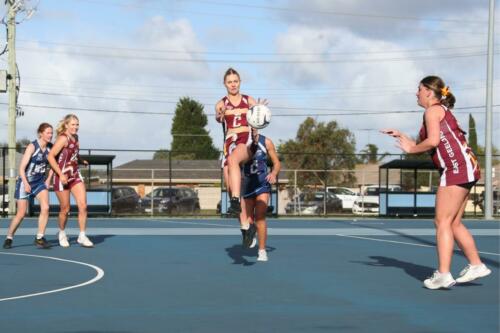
pixel 418 272
pixel 420 240
pixel 238 254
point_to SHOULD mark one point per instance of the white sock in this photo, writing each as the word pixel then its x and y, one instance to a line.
pixel 39 236
pixel 82 233
pixel 62 232
pixel 10 237
pixel 245 226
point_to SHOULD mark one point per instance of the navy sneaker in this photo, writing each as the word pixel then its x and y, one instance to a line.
pixel 234 206
pixel 42 243
pixel 249 235
pixel 7 244
pixel 243 233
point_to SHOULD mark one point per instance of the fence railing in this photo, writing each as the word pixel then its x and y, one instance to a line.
pixel 140 185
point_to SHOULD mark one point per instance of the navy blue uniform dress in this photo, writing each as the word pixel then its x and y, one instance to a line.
pixel 35 173
pixel 255 171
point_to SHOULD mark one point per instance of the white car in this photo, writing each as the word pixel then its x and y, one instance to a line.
pixel 4 201
pixel 366 205
pixel 346 195
pixel 369 202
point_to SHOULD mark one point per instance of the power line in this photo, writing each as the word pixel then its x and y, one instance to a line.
pixel 254 61
pixel 142 50
pixel 324 12
pixel 301 11
pixel 352 112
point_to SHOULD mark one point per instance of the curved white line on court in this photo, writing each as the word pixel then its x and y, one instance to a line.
pixel 100 274
pixel 396 242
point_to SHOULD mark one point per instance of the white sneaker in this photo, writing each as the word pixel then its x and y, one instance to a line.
pixel 472 272
pixel 262 255
pixel 84 241
pixel 254 242
pixel 439 280
pixel 63 239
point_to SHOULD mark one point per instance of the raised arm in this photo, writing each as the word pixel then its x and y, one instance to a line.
pixel 219 111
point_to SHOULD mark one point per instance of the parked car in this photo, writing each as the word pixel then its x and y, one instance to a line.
pixel 171 200
pixel 496 201
pixel 346 195
pixel 124 199
pixel 4 200
pixel 312 203
pixel 368 202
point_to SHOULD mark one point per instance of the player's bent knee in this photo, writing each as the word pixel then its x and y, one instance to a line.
pixel 44 209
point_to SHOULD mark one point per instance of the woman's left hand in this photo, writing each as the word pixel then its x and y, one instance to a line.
pixel 405 144
pixel 271 178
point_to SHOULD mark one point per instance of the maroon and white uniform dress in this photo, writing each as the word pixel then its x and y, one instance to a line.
pixel 68 163
pixel 235 119
pixel 453 157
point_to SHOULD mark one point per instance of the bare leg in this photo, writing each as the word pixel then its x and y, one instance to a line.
pixel 64 203
pixel 239 155
pixel 80 195
pixel 463 237
pixel 43 218
pixel 449 200
pixel 246 215
pixel 22 205
pixel 261 204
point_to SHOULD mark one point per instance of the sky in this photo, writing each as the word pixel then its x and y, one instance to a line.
pixel 122 65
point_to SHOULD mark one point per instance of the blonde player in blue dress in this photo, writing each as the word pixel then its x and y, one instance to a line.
pixel 257 190
pixel 31 183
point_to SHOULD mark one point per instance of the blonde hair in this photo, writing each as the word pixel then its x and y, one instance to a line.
pixel 61 127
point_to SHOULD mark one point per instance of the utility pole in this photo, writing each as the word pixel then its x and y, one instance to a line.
pixel 488 188
pixel 11 87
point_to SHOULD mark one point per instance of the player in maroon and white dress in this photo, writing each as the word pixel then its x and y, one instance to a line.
pixel 231 110
pixel 64 158
pixel 445 140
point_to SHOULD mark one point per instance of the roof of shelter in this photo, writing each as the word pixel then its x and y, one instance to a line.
pixel 408 164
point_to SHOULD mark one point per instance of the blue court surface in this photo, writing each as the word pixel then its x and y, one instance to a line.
pixel 192 275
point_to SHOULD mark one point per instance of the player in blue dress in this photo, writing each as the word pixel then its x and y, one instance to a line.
pixel 257 190
pixel 32 183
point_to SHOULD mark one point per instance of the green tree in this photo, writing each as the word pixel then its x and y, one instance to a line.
pixel 370 154
pixel 20 144
pixel 320 147
pixel 472 134
pixel 190 138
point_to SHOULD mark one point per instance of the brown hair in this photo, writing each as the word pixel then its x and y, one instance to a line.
pixel 229 72
pixel 437 85
pixel 42 127
pixel 61 127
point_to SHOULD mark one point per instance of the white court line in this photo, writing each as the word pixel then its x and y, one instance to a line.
pixel 405 243
pixel 195 223
pixel 100 274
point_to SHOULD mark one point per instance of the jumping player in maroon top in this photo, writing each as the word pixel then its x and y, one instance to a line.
pixel 63 159
pixel 231 110
pixel 442 137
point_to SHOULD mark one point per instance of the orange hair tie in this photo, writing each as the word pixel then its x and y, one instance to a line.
pixel 445 91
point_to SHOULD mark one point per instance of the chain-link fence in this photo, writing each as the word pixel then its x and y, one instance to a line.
pixel 131 182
